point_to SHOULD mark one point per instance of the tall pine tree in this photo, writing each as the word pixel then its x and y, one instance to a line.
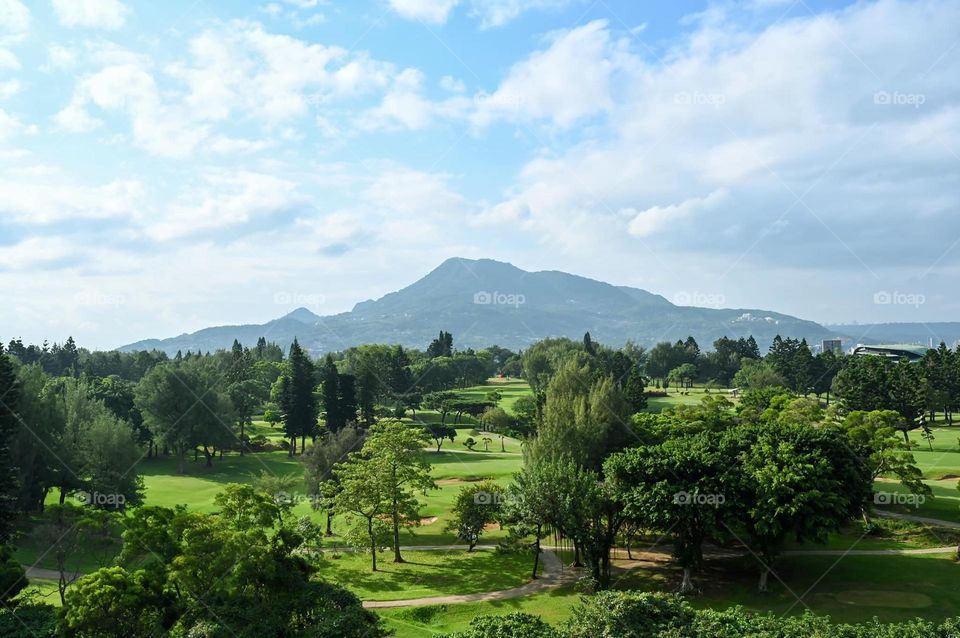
pixel 9 425
pixel 297 400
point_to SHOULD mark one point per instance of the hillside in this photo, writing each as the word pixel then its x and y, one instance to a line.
pixel 484 302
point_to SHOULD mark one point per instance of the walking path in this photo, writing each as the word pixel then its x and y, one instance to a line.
pixel 936 522
pixel 555 574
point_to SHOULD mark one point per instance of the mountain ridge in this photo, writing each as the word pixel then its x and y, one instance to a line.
pixel 485 302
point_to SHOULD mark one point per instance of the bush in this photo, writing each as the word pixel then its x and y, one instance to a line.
pixel 515 625
pixel 629 615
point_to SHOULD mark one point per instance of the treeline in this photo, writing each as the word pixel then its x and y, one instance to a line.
pixel 701 474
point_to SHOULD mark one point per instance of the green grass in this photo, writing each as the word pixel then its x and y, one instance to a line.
pixel 510 389
pixel 426 573
pixel 553 606
pixel 851 589
pixel 199 484
pixel 693 397
pixel 46 591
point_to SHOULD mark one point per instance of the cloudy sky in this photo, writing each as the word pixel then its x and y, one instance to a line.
pixel 169 166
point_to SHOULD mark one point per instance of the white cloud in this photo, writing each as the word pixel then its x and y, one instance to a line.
pixel 274 77
pixel 35 252
pixel 432 11
pixel 657 218
pixel 405 107
pixel 33 202
pixel 162 129
pixel 9 88
pixel 806 108
pixel 96 14
pixel 14 19
pixel 224 200
pixel 495 13
pixel 14 25
pixel 564 83
pixel 8 125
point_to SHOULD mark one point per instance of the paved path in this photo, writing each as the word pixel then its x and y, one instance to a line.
pixel 935 522
pixel 47 574
pixel 553 575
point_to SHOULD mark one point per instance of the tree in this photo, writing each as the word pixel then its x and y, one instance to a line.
pixel 683 375
pixel 69 532
pixel 321 481
pixel 873 436
pixel 297 400
pixel 240 574
pixel 442 346
pixel 440 432
pixel 331 394
pixel 799 482
pixel 475 507
pixel 584 418
pixel 497 420
pixel 384 478
pixel 634 391
pixel 184 405
pixel 9 427
pixel 110 456
pixel 678 486
pixel 113 602
pixel 757 374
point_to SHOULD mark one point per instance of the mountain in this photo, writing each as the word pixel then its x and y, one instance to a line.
pixel 915 333
pixel 485 302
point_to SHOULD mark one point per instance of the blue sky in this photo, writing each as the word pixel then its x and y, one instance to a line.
pixel 169 166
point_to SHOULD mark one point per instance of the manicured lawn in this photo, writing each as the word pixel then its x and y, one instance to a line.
pixel 427 573
pixel 693 396
pixel 199 484
pixel 553 606
pixel 510 389
pixel 849 589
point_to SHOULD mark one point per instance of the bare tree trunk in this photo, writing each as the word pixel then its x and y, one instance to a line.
pixel 536 555
pixel 687 585
pixel 373 543
pixel 763 579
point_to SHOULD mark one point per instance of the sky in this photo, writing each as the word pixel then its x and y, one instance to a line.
pixel 170 166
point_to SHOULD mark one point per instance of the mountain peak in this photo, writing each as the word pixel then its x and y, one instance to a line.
pixel 302 315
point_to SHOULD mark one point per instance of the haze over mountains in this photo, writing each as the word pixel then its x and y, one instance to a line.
pixel 485 302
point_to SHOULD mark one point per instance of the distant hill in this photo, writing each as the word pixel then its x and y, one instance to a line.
pixel 915 333
pixel 485 302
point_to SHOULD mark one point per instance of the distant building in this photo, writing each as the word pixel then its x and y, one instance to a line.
pixel 831 345
pixel 912 353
